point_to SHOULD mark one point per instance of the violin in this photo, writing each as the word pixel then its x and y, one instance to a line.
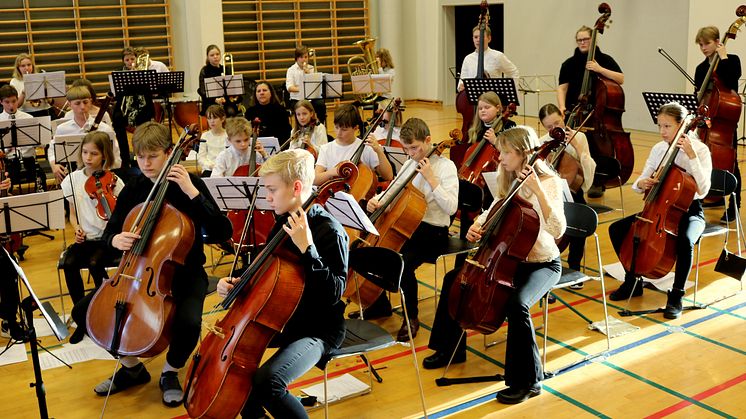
pixel 606 136
pixel 304 134
pixel 482 155
pixel 567 166
pixel 131 312
pixel 463 106
pixel 649 248
pixel 724 104
pixel 396 219
pixel 100 186
pixel 221 373
pixel 479 295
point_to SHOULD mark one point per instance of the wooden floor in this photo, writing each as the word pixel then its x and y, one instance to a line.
pixel 693 366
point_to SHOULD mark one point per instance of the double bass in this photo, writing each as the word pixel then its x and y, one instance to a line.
pixel 649 248
pixel 401 211
pixel 482 287
pixel 606 136
pixel 724 105
pixel 132 311
pixel 482 155
pixel 221 373
pixel 463 106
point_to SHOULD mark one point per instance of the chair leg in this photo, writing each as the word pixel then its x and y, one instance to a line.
pixel 546 330
pixel 696 271
pixel 414 353
pixel 603 291
pixel 326 396
pixel 62 295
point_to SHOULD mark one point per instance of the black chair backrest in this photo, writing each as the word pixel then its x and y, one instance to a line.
pixel 381 266
pixel 607 168
pixel 722 183
pixel 470 196
pixel 581 220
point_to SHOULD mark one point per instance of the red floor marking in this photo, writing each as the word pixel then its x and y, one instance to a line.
pixel 699 397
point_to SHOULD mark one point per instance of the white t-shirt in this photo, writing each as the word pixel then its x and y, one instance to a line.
pixel 94 111
pixel 24 151
pixel 382 132
pixel 231 159
pixel 318 138
pixel 210 148
pixel 333 153
pixel 495 64
pixel 72 128
pixel 85 207
pixel 294 77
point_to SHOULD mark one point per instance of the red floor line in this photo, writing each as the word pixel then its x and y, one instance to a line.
pixel 700 396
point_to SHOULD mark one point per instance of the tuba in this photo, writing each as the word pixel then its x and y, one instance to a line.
pixel 142 62
pixel 363 64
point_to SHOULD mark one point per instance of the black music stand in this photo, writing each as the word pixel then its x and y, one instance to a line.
pixel 654 101
pixel 504 87
pixel 26 132
pixel 396 156
pixel 169 83
pixel 139 82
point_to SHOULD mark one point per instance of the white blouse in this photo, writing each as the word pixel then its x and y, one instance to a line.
pixel 699 167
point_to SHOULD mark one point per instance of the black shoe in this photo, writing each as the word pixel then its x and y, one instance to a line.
pixel 674 306
pixel 515 395
pixel 440 359
pixel 623 292
pixel 11 329
pixel 403 336
pixel 171 388
pixel 728 216
pixel 124 379
pixel 77 335
pixel 595 191
pixel 379 309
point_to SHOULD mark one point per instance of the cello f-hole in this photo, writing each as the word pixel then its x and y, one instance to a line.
pixel 223 353
pixel 150 291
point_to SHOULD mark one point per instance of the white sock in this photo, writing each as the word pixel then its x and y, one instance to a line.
pixel 168 368
pixel 129 361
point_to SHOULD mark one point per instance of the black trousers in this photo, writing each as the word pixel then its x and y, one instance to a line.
pixel 9 298
pixel 92 254
pixel 189 288
pixel 577 244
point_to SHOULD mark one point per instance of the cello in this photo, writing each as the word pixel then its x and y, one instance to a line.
pixel 724 106
pixel 482 155
pixel 220 376
pixel 402 208
pixel 132 311
pixel 606 136
pixel 260 221
pixel 649 248
pixel 485 282
pixel 463 106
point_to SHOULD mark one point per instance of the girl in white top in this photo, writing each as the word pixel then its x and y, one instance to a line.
pixel 694 158
pixel 214 141
pixel 24 64
pixel 88 251
pixel 306 127
pixel 80 102
pixel 386 66
pixel 237 154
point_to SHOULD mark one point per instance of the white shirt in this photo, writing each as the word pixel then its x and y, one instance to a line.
pixel 382 132
pixel 545 248
pixel 229 160
pixel 294 77
pixel 24 151
pixel 699 167
pixel 210 148
pixel 72 128
pixel 442 202
pixel 495 64
pixel 586 161
pixel 94 112
pixel 158 66
pixel 391 72
pixel 318 138
pixel 85 207
pixel 27 107
pixel 333 153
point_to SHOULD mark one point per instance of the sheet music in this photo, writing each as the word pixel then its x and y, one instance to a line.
pixel 311 86
pixel 83 351
pixel 229 192
pixel 14 355
pixel 616 271
pixel 34 132
pixel 332 86
pixel 337 388
pixel 44 85
pixel 397 156
pixel 42 210
pixel 231 85
pixel 490 179
pixel 271 144
pixel 348 212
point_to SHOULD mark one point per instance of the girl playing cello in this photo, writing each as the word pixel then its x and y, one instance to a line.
pixel 534 277
pixel 317 325
pixel 694 158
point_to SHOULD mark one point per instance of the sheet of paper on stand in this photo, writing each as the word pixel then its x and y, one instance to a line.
pixel 337 388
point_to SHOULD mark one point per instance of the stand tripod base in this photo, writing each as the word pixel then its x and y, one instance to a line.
pixel 445 381
pixel 627 313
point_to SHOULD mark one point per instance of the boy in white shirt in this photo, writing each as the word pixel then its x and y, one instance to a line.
pixel 344 146
pixel 237 154
pixel 294 82
pixel 79 98
pixel 9 100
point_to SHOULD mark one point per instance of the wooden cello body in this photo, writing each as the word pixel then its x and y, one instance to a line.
pixel 131 312
pixel 482 156
pixel 220 375
pixel 649 248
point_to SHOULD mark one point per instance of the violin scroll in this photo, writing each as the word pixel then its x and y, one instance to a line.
pixel 741 10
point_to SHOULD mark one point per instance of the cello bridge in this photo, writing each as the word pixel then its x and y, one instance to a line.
pixel 217 331
pixel 130 277
pixel 644 219
pixel 475 263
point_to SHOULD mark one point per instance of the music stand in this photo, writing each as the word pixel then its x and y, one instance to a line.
pixel 224 86
pixel 538 84
pixel 42 86
pixel 348 212
pixel 371 83
pixel 169 83
pixel 504 87
pixel 29 304
pixel 654 101
pixel 65 149
pixel 397 157
pixel 312 86
pixel 332 86
pixel 271 144
pixel 137 82
pixel 25 133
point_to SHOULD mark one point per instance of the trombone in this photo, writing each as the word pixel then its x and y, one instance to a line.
pixel 227 62
pixel 312 54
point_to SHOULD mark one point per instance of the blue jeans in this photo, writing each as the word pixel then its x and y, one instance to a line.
pixel 532 281
pixel 271 380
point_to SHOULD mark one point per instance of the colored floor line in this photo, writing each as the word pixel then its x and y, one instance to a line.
pixel 700 396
